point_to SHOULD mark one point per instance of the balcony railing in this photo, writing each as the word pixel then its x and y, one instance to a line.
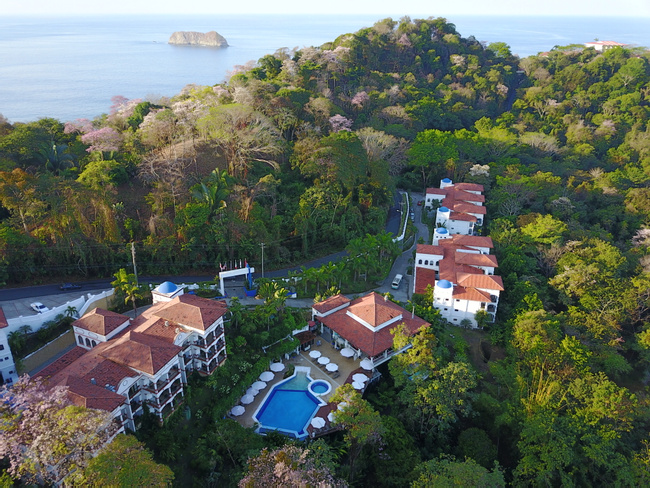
pixel 162 383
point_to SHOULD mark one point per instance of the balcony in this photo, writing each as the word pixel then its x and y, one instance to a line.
pixel 494 299
pixel 162 383
pixel 491 308
pixel 221 344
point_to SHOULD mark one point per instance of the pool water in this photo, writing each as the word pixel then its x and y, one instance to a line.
pixel 289 407
pixel 319 388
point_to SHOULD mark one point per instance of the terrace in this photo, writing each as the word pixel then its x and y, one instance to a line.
pixel 347 367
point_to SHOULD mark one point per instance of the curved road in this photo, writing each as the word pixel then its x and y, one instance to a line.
pixel 53 291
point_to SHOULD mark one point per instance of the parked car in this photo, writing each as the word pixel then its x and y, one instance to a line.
pixel 39 307
pixel 420 202
pixel 69 286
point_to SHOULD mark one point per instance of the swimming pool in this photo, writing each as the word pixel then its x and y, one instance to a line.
pixel 289 406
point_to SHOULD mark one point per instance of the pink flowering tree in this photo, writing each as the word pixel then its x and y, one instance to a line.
pixel 339 123
pixel 78 126
pixel 43 436
pixel 102 140
pixel 360 99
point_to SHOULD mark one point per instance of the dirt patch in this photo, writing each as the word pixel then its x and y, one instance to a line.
pixel 481 351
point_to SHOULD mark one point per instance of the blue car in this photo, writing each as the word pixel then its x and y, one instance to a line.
pixel 69 287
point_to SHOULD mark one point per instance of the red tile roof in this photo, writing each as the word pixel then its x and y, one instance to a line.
pixel 424 277
pixel 474 259
pixel 489 282
pixel 436 191
pixel 462 216
pixel 472 294
pixel 375 310
pixel 84 394
pixel 467 208
pixel 61 363
pixel 430 249
pixel 192 311
pixel 330 304
pixel 101 321
pixel 470 241
pixel 469 187
pixel 141 352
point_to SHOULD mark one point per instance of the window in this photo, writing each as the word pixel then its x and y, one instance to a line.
pixel 455 320
pixel 420 261
pixel 455 310
pixel 426 262
pixel 458 300
pixel 2 347
pixel 81 340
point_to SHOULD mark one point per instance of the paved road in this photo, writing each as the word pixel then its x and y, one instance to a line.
pixel 15 301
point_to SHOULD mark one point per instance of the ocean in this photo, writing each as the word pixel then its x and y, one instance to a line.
pixel 69 68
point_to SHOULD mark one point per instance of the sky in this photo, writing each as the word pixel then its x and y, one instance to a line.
pixel 422 8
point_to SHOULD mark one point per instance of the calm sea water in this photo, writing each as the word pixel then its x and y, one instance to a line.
pixel 69 68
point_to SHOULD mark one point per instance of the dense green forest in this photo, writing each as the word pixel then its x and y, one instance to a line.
pixel 303 150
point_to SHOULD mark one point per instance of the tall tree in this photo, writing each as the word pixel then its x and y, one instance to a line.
pixel 45 437
pixel 243 134
pixel 126 284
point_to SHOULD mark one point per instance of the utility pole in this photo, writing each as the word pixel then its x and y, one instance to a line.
pixel 262 245
pixel 135 269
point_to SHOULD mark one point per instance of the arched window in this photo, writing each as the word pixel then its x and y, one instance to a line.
pixel 93 343
pixel 81 340
pixel 426 262
pixel 88 342
pixel 420 261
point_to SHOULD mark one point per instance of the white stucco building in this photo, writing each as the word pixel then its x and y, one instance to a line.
pixel 460 206
pixel 458 265
pixel 121 364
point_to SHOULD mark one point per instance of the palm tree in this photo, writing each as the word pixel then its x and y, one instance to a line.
pixel 55 158
pixel 214 193
pixel 126 284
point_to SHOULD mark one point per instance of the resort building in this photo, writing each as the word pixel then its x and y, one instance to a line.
pixel 604 45
pixel 458 265
pixel 120 364
pixel 8 372
pixel 364 324
pixel 461 209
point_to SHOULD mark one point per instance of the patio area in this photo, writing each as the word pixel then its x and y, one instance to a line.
pixel 347 368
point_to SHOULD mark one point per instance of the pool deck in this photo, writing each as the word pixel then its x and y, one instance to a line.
pixel 347 368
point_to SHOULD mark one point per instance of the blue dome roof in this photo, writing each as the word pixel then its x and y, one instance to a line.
pixel 444 284
pixel 446 180
pixel 443 209
pixel 167 287
pixel 442 230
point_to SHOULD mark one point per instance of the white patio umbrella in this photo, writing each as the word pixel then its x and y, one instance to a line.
pixel 246 399
pixel 252 391
pixel 361 378
pixel 259 385
pixel 276 367
pixel 330 416
pixel 237 410
pixel 331 367
pixel 318 422
pixel 323 360
pixel 314 354
pixel 342 405
pixel 357 385
pixel 367 364
pixel 346 352
pixel 266 376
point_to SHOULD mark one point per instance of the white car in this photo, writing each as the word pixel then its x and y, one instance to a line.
pixel 39 307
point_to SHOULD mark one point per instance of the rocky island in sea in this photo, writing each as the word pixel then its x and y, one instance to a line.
pixel 209 39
